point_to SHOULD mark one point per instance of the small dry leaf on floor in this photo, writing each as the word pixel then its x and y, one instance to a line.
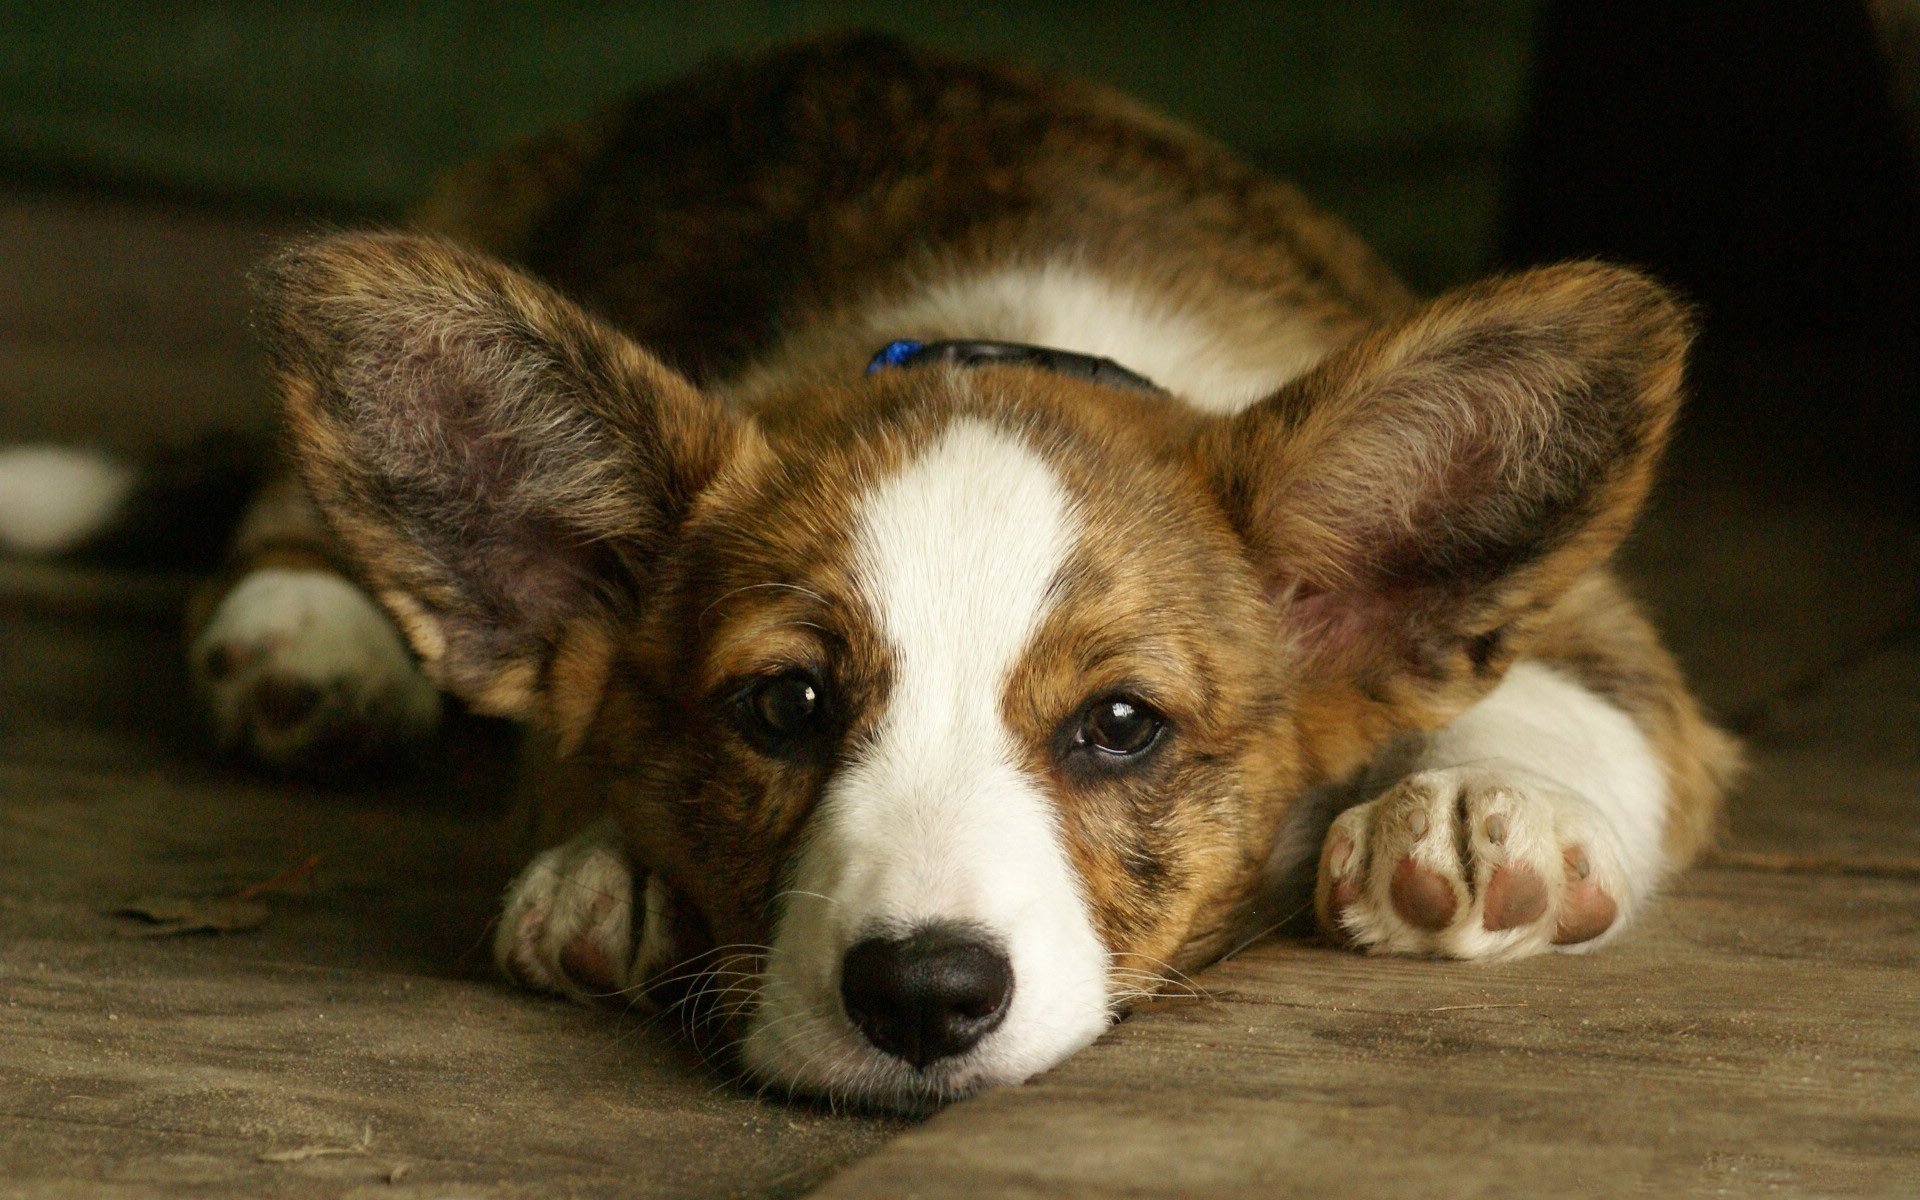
pixel 170 916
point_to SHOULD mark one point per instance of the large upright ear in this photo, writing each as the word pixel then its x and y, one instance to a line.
pixel 1424 492
pixel 504 470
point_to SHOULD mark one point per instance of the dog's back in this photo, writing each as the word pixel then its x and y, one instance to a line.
pixel 784 215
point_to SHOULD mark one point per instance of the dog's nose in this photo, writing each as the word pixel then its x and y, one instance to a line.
pixel 928 996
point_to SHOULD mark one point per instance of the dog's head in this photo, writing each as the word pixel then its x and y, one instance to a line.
pixel 966 703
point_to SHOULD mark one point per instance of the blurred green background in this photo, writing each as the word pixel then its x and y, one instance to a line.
pixel 1394 114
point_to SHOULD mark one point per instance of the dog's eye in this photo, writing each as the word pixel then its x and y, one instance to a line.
pixel 1120 725
pixel 781 710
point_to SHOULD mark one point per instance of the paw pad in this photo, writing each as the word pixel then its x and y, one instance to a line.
pixel 1472 862
pixel 1588 911
pixel 1423 897
pixel 579 922
pixel 1516 896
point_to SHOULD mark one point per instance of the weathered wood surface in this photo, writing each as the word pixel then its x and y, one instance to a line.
pixel 1836 768
pixel 1755 1037
pixel 149 1067
pixel 364 1010
pixel 1769 562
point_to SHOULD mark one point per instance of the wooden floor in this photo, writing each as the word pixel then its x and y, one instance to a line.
pixel 1759 1034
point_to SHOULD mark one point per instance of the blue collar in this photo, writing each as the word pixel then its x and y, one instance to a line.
pixel 909 353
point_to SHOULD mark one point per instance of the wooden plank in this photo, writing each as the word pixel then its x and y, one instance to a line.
pixel 81 691
pixel 128 399
pixel 84 268
pixel 365 1008
pixel 1756 1035
pixel 168 1068
pixel 1836 768
pixel 56 590
pixel 365 1004
pixel 1760 592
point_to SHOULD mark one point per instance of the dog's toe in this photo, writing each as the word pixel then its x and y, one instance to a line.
pixel 1423 897
pixel 571 925
pixel 1465 863
pixel 1516 896
pixel 300 669
pixel 1587 910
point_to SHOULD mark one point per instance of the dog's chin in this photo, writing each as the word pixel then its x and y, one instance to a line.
pixel 828 1062
pixel 866 1080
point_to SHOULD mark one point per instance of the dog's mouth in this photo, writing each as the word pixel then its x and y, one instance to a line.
pixel 814 1052
pixel 810 1054
pixel 773 1037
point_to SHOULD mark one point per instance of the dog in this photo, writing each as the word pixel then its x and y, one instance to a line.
pixel 985 552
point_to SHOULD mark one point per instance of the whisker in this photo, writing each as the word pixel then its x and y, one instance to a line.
pixel 1277 925
pixel 789 587
pixel 778 896
pixel 1176 975
pixel 685 968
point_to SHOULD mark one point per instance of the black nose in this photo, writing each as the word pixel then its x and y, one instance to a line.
pixel 928 996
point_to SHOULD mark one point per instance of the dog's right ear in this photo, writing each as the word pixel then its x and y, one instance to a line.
pixel 504 470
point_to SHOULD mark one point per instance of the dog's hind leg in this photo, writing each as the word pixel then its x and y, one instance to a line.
pixel 294 665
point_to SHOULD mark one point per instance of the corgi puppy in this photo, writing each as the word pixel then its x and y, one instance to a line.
pixel 984 550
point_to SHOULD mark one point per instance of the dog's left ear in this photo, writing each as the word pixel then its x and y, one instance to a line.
pixel 506 471
pixel 1428 487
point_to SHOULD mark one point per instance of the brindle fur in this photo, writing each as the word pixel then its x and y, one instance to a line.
pixel 1360 555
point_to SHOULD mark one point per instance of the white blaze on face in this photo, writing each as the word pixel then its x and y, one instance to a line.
pixel 935 820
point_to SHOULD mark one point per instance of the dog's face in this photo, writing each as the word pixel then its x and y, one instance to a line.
pixel 954 698
pixel 959 706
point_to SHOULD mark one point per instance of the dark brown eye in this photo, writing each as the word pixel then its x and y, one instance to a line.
pixel 1120 726
pixel 779 712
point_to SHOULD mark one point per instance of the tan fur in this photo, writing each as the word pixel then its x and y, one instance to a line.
pixel 610 541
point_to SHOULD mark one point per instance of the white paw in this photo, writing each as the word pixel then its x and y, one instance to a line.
pixel 1486 861
pixel 299 668
pixel 569 922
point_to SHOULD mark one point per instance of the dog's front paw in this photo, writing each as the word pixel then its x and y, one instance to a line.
pixel 1479 862
pixel 570 924
pixel 300 669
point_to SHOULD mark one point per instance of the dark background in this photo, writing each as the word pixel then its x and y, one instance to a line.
pixel 1760 156
pixel 1396 113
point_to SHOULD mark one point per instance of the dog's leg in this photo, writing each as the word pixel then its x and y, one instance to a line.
pixel 1538 820
pixel 581 921
pixel 294 665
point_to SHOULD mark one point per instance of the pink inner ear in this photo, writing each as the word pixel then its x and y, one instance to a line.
pixel 1330 623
